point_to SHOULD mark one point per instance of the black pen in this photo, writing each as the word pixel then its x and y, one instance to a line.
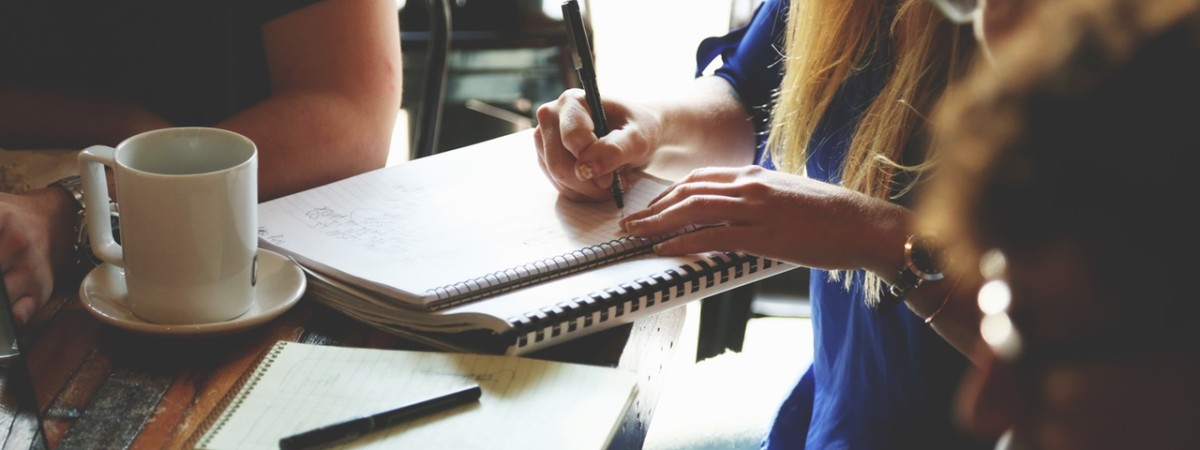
pixel 586 69
pixel 354 428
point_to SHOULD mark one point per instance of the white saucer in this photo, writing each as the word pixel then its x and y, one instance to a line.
pixel 280 284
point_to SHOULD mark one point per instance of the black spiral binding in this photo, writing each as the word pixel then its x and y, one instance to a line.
pixel 627 298
pixel 557 266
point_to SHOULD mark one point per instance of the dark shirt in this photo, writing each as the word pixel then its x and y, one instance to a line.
pixel 193 62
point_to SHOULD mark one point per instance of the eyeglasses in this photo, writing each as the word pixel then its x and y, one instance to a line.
pixel 1001 332
pixel 959 11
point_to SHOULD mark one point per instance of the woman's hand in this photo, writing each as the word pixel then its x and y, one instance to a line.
pixel 701 125
pixel 774 215
pixel 578 163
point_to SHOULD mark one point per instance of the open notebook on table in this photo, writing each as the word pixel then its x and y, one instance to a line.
pixel 478 240
pixel 526 403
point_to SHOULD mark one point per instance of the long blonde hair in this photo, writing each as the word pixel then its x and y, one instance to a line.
pixel 827 43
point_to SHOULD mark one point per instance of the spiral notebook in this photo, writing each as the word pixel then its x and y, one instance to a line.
pixel 477 239
pixel 526 403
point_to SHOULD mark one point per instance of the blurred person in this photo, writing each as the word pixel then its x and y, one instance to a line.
pixel 1067 172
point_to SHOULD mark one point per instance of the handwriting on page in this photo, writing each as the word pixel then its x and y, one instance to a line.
pixel 379 226
pixel 444 232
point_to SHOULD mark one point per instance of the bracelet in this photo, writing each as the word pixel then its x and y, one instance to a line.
pixel 945 301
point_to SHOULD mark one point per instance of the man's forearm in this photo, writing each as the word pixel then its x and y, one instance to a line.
pixel 39 118
pixel 313 138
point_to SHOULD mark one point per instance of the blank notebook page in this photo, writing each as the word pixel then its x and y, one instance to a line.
pixel 526 403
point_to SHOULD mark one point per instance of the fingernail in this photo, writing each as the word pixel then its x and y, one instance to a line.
pixel 584 172
pixel 628 225
pixel 23 309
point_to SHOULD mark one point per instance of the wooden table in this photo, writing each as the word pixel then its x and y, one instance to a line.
pixel 102 387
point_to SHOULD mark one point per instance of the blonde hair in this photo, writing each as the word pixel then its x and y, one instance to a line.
pixel 830 41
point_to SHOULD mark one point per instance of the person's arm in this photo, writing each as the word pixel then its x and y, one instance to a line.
pixel 707 124
pixel 704 125
pixel 957 321
pixel 36 239
pixel 803 221
pixel 708 127
pixel 38 118
pixel 951 301
pixel 335 74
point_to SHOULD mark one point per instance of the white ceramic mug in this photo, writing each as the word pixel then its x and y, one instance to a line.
pixel 188 217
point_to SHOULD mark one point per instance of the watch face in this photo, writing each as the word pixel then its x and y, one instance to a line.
pixel 928 257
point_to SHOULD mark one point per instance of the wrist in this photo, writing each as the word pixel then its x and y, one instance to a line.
pixel 60 212
pixel 77 242
pixel 924 261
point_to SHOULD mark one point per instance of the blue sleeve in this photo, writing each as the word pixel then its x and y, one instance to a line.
pixel 751 58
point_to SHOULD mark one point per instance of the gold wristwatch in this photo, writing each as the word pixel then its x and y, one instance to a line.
pixel 924 260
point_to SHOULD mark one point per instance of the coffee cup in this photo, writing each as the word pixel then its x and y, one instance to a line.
pixel 188 218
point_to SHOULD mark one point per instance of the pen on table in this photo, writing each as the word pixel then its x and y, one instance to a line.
pixel 360 426
pixel 586 69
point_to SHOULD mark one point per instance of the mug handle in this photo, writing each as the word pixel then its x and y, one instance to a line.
pixel 95 198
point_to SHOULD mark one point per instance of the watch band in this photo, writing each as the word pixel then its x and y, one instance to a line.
pixel 82 245
pixel 905 281
pixel 74 185
pixel 922 262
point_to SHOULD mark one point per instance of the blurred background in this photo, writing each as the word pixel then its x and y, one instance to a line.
pixel 509 56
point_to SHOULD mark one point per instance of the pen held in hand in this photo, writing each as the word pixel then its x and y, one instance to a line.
pixel 585 68
pixel 617 193
pixel 357 427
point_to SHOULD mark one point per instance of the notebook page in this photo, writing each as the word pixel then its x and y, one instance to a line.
pixel 442 220
pixel 526 403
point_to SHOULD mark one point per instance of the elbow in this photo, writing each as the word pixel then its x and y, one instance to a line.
pixel 379 109
pixel 365 132
pixel 362 145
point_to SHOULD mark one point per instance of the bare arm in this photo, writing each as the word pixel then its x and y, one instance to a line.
pixel 951 301
pixel 804 221
pixel 335 74
pixel 705 126
pixel 35 118
pixel 958 320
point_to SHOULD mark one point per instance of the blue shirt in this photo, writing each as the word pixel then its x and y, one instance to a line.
pixel 880 378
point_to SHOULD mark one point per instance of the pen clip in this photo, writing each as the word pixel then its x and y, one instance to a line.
pixel 575 28
pixel 576 59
